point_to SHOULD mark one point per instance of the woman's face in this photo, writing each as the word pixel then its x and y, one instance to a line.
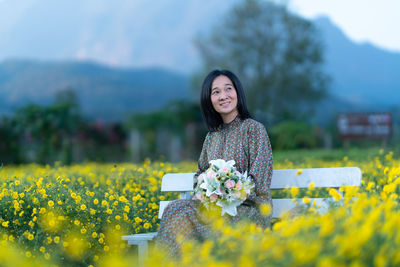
pixel 224 98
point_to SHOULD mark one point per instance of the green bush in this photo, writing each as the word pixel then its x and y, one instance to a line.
pixel 293 135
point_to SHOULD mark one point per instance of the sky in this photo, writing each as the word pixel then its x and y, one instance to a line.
pixel 374 21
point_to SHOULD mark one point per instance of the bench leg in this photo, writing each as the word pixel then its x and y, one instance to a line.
pixel 143 252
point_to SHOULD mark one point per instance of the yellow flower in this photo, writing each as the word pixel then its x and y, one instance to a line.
pixel 83 207
pixel 299 172
pixel 50 203
pixel 5 224
pixel 370 186
pixel 265 209
pixel 126 209
pixel 17 182
pixel 389 188
pixel 47 256
pixel 306 200
pixel 118 227
pixel 96 201
pixel 77 222
pixel 51 221
pixel 335 194
pixel 28 254
pixel 106 248
pixel 83 231
pixel 56 239
pixel 123 199
pixel 42 249
pixel 30 236
pixel 65 244
pixel 311 186
pixel 94 234
pixel 92 211
pixel 138 220
pixel 146 225
pixel 294 191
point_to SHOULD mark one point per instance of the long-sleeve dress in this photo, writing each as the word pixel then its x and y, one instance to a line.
pixel 246 142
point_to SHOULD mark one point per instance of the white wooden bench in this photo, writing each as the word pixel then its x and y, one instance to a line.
pixel 281 179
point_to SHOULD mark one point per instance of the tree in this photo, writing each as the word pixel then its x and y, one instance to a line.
pixel 52 127
pixel 276 54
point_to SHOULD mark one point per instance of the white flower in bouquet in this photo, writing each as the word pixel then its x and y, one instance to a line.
pixel 222 185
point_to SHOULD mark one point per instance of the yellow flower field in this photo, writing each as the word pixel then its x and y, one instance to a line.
pixel 76 215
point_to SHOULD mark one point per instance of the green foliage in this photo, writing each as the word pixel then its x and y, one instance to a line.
pixel 44 129
pixel 51 126
pixel 172 117
pixel 276 54
pixel 9 145
pixel 158 127
pixel 293 135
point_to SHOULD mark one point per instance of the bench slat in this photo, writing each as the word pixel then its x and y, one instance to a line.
pixel 322 177
pixel 177 182
pixel 162 206
pixel 139 238
pixel 280 206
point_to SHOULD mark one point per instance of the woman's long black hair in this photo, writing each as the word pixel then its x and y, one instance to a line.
pixel 212 118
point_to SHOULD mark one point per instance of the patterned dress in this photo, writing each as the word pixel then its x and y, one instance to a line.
pixel 246 142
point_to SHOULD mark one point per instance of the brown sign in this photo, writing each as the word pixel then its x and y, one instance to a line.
pixel 365 125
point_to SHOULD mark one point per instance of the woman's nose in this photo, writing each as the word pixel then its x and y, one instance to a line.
pixel 222 95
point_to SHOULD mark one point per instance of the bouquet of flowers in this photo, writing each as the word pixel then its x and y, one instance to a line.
pixel 222 185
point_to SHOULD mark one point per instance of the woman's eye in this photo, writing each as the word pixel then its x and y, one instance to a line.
pixel 215 92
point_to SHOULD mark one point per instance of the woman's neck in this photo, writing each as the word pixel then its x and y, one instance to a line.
pixel 228 118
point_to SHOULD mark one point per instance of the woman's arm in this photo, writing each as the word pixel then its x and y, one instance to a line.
pixel 202 163
pixel 260 162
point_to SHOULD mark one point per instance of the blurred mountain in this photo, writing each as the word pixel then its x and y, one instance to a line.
pixel 103 92
pixel 362 74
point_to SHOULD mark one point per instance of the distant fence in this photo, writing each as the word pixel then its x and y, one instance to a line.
pixel 353 126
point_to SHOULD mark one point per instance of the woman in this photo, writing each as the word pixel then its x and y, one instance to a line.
pixel 232 135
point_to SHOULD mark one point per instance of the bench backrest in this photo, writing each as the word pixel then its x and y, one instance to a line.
pixel 301 178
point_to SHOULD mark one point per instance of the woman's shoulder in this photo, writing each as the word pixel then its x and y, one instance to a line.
pixel 253 125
